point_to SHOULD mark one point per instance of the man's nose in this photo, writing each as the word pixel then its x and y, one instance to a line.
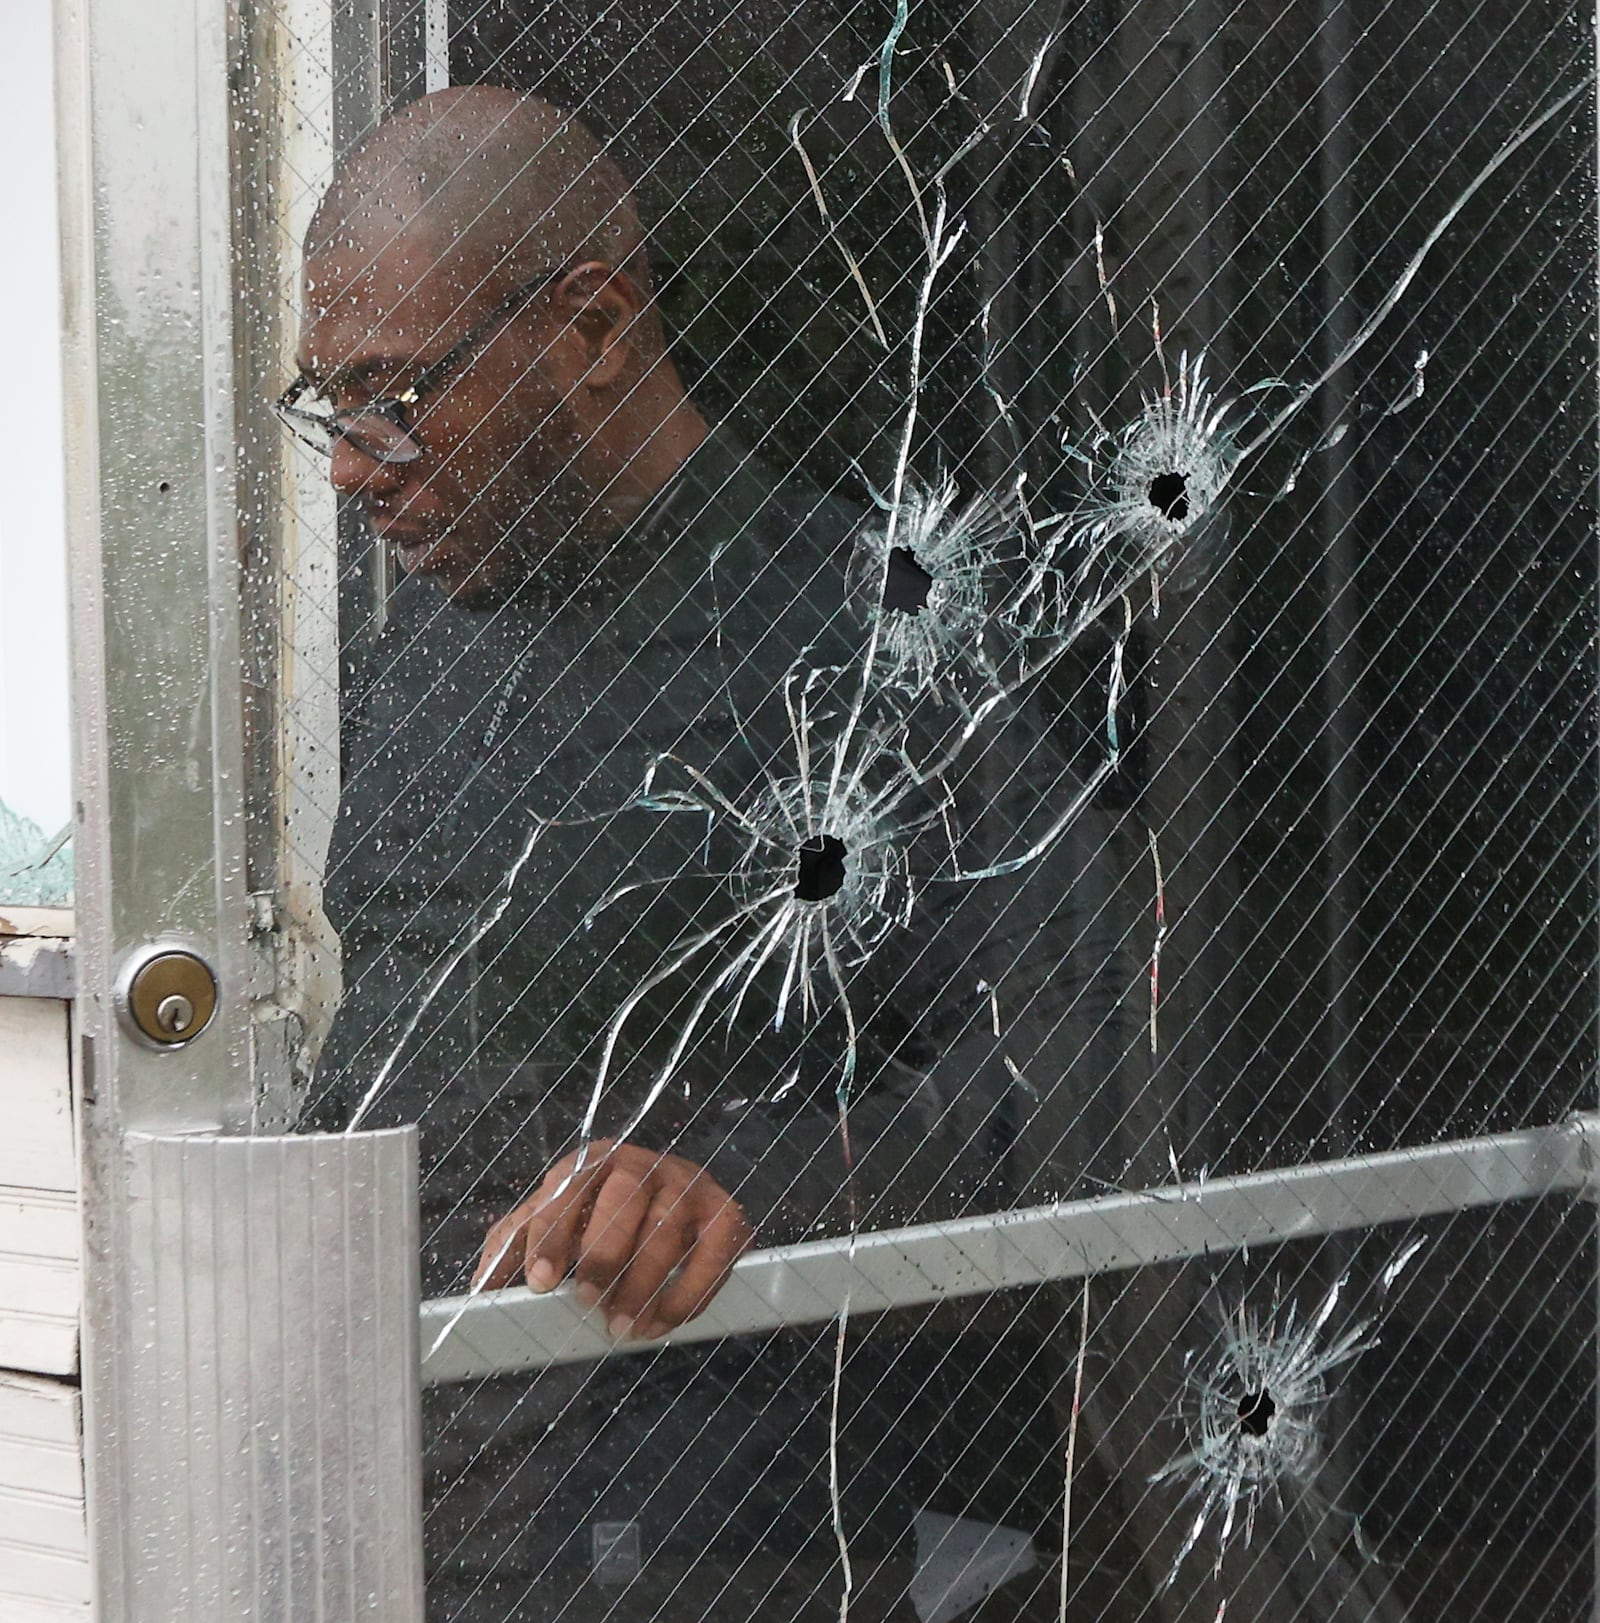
pixel 354 473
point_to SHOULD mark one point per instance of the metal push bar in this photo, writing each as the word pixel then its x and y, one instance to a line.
pixel 499 1332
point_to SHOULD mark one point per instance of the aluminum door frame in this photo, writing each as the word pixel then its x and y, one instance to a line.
pixel 191 1501
pixel 148 151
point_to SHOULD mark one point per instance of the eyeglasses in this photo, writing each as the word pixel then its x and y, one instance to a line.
pixel 382 429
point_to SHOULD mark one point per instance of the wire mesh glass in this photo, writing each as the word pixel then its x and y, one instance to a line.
pixel 1015 624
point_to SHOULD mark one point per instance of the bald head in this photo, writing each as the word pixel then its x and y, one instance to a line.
pixel 484 172
pixel 488 234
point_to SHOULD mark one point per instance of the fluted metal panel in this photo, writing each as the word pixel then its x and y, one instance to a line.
pixel 272 1403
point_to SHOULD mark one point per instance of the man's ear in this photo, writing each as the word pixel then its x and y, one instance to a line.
pixel 601 305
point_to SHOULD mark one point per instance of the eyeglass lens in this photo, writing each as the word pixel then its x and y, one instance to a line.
pixel 374 432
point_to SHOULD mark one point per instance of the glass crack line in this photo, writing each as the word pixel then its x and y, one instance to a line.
pixel 1397 290
pixel 1070 1464
pixel 852 264
pixel 1155 482
pixel 447 967
pixel 821 879
pixel 1157 944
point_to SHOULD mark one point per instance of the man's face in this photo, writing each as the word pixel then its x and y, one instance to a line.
pixel 499 485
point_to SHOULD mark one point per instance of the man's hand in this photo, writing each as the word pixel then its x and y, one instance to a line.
pixel 650 1236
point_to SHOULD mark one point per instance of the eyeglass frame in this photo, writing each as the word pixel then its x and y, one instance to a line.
pixel 394 408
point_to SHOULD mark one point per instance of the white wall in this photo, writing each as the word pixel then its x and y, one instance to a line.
pixel 35 744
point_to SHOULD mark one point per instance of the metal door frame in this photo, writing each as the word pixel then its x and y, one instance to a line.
pixel 191 1500
pixel 149 153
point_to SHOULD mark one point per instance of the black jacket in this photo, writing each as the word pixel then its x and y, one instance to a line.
pixel 491 811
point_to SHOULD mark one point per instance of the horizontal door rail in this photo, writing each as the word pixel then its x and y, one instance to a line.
pixel 500 1332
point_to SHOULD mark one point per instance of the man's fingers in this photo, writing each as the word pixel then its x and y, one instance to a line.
pixel 722 1239
pixel 538 1234
pixel 665 1241
pixel 554 1219
pixel 653 1236
pixel 610 1236
pixel 501 1261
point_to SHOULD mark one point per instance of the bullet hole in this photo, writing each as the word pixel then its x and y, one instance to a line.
pixel 905 582
pixel 1256 1410
pixel 165 487
pixel 1169 495
pixel 821 869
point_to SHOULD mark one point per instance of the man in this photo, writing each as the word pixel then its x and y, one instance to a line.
pixel 543 445
pixel 601 585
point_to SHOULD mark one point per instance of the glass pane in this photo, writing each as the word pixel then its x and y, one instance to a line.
pixel 35 737
pixel 992 608
pixel 1389 1425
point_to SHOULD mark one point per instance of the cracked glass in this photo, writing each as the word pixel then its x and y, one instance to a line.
pixel 959 743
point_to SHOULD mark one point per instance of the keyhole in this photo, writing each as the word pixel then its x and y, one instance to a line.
pixel 821 870
pixel 1256 1410
pixel 1169 495
pixel 175 1014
